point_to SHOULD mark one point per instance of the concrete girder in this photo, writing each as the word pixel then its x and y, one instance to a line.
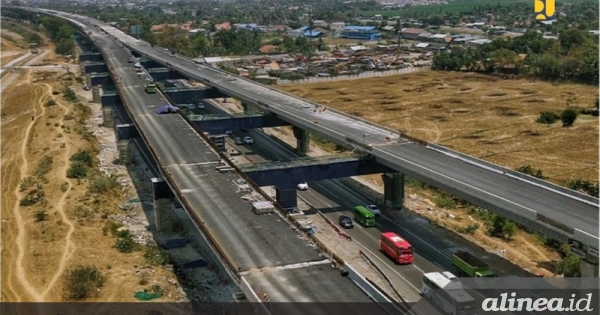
pixel 220 124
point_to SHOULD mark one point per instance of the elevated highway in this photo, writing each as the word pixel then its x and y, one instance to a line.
pixel 264 250
pixel 560 213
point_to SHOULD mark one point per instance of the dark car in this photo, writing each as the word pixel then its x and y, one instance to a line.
pixel 345 222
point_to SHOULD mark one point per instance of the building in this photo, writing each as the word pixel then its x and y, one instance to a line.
pixel 361 32
pixel 320 23
pixel 223 26
pixel 411 33
pixel 480 41
pixel 439 38
pixel 304 32
pixel 337 27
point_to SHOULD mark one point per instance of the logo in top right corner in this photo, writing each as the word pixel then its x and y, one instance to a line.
pixel 544 9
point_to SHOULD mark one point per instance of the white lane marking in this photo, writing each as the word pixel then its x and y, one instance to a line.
pixel 457 181
pixel 437 250
pixel 288 267
pixel 370 252
pixel 389 267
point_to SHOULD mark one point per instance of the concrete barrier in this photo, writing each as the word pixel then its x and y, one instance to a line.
pixel 252 297
pixel 374 293
pixel 516 175
pixel 335 227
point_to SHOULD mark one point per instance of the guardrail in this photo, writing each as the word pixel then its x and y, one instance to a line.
pixel 516 175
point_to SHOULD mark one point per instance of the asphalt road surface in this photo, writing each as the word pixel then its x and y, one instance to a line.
pixel 251 242
pixel 473 183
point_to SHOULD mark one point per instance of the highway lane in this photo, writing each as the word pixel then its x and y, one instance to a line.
pixel 333 198
pixel 473 183
pixel 214 199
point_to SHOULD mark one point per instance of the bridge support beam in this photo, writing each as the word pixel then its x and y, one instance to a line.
pixel 95 92
pixel 107 117
pixel 163 207
pixel 124 152
pixel 246 108
pixel 127 131
pixel 589 269
pixel 393 186
pixel 302 140
pixel 287 198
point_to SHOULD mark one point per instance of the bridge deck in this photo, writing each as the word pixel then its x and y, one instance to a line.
pixel 250 241
pixel 519 197
pixel 399 153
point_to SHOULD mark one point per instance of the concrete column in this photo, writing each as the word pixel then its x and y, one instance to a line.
pixel 124 152
pixel 393 186
pixel 302 139
pixel 589 267
pixel 163 207
pixel 246 107
pixel 107 117
pixel 287 198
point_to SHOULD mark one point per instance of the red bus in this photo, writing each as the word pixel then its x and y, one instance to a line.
pixel 396 247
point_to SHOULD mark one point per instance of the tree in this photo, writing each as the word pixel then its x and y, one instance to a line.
pixel 501 227
pixel 568 117
pixel 569 266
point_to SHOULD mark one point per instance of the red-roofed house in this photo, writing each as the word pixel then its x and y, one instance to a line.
pixel 223 26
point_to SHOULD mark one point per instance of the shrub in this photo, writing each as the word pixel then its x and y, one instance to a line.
pixel 445 201
pixel 50 102
pixel 144 278
pixel 589 187
pixel 547 118
pixel 26 183
pixel 32 198
pixel 156 257
pixel 44 167
pixel 40 216
pixel 103 184
pixel 501 227
pixel 530 171
pixel 77 170
pixel 82 282
pixel 568 117
pixel 126 244
pixel 69 95
pixel 83 156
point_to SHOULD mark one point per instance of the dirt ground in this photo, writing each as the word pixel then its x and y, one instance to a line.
pixel 500 127
pixel 484 116
pixel 35 255
pixel 12 46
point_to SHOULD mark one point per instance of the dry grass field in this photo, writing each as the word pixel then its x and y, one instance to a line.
pixel 484 116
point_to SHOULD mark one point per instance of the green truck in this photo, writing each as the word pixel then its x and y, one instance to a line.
pixel 471 266
pixel 150 88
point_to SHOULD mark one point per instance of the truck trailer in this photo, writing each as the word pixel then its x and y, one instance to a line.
pixel 469 265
